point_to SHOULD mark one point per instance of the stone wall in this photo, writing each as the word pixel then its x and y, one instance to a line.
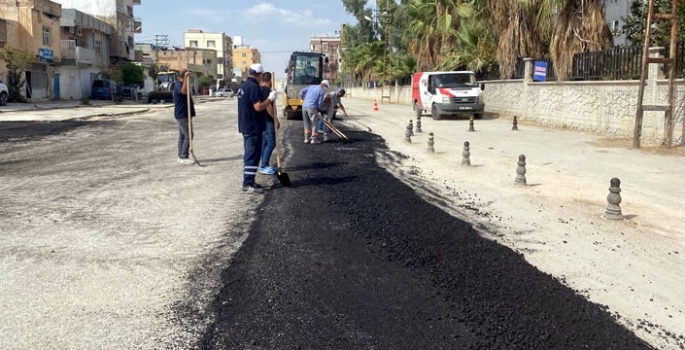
pixel 607 107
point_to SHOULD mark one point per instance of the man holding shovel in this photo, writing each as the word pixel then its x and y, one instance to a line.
pixel 252 124
pixel 181 115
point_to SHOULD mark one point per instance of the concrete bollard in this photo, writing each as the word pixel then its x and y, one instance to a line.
pixel 613 211
pixel 466 155
pixel 516 124
pixel 471 124
pixel 411 124
pixel 407 133
pixel 431 142
pixel 521 172
pixel 418 125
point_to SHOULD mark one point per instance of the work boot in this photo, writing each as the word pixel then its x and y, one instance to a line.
pixel 253 188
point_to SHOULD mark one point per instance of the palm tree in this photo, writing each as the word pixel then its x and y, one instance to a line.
pixel 580 27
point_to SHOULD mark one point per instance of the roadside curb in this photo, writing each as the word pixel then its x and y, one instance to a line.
pixel 123 114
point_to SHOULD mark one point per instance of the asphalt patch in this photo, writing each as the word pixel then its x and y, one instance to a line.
pixel 352 258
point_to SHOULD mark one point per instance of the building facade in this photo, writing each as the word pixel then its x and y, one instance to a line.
pixel 85 44
pixel 615 11
pixel 34 25
pixel 120 15
pixel 219 42
pixel 243 57
pixel 329 46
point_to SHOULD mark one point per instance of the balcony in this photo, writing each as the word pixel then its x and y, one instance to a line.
pixel 136 2
pixel 137 25
pixel 76 55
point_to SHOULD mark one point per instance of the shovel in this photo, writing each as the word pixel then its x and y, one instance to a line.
pixel 283 178
pixel 190 125
pixel 356 121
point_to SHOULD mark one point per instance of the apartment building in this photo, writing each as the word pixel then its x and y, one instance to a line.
pixel 34 25
pixel 243 57
pixel 219 42
pixel 614 12
pixel 328 45
pixel 120 15
pixel 85 44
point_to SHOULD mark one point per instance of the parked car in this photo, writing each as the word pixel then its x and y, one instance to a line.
pixel 223 92
pixel 103 89
pixel 4 94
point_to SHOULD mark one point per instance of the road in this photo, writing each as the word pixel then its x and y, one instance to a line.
pixel 108 243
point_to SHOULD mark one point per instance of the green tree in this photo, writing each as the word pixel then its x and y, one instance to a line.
pixel 112 73
pixel 132 73
pixel 205 81
pixel 17 60
pixel 635 23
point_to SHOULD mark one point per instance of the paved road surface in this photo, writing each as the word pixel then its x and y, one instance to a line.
pixel 107 243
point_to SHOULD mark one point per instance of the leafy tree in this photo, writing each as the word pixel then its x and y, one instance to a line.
pixel 635 23
pixel 111 73
pixel 132 74
pixel 17 60
pixel 205 81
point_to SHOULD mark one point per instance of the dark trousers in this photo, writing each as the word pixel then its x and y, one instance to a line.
pixel 268 143
pixel 183 140
pixel 253 152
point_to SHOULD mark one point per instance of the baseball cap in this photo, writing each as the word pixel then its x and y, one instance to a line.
pixel 326 82
pixel 257 68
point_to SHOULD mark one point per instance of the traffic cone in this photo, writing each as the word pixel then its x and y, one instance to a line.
pixel 375 105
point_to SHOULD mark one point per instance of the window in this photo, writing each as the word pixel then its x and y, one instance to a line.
pixel 193 43
pixel 211 44
pixel 244 55
pixel 614 25
pixel 98 47
pixel 324 47
pixel 244 63
pixel 209 62
pixel 47 38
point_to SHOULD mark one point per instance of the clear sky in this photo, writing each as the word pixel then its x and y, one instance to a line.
pixel 275 27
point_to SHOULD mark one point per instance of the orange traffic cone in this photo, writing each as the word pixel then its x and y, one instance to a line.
pixel 375 105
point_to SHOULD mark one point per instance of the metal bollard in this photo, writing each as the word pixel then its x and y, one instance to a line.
pixel 516 124
pixel 466 155
pixel 521 172
pixel 613 211
pixel 431 142
pixel 411 124
pixel 418 125
pixel 407 133
pixel 471 124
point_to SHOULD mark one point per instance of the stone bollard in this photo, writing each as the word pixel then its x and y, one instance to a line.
pixel 521 172
pixel 613 211
pixel 411 124
pixel 466 154
pixel 431 142
pixel 471 124
pixel 407 133
pixel 418 125
pixel 516 124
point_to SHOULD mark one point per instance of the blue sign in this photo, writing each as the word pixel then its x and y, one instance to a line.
pixel 46 55
pixel 540 72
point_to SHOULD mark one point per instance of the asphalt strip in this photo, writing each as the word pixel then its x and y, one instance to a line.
pixel 352 258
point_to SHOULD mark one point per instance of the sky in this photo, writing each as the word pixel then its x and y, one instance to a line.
pixel 275 27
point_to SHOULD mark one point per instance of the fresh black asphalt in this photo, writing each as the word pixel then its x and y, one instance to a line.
pixel 352 258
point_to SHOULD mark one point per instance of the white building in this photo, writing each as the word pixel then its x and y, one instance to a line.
pixel 219 42
pixel 119 14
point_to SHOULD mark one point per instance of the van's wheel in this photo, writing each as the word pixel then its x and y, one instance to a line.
pixel 435 113
pixel 478 115
pixel 3 98
pixel 417 110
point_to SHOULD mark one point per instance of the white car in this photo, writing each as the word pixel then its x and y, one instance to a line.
pixel 4 94
pixel 223 92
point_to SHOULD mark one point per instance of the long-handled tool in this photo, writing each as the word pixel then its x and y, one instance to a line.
pixel 332 127
pixel 190 123
pixel 356 121
pixel 283 178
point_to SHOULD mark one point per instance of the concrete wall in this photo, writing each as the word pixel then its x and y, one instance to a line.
pixel 598 106
pixel 75 82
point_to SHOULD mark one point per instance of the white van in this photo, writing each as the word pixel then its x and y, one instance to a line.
pixel 447 93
